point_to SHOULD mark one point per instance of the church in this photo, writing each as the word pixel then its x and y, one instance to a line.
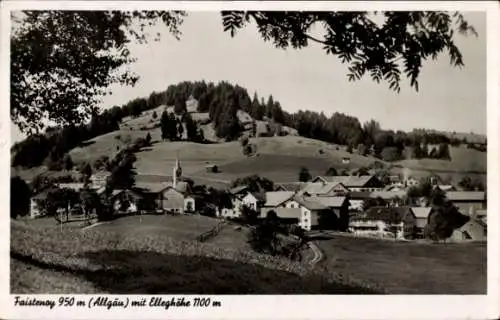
pixel 174 196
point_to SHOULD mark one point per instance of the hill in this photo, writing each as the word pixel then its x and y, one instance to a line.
pixel 282 142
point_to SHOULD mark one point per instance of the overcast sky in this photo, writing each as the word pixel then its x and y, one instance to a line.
pixel 448 99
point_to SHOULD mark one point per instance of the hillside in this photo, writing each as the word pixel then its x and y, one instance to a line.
pixel 100 261
pixel 280 151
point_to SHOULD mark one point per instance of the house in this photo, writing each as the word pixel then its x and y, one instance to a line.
pixel 353 183
pixel 173 200
pixel 422 215
pixel 357 199
pixel 167 198
pixel 279 187
pixel 346 160
pixel 304 210
pixel 99 178
pixel 211 168
pixel 35 201
pixel 393 198
pixel 240 199
pixel 472 230
pixel 324 189
pixel 467 202
pixel 126 201
pixel 384 222
pixel 75 186
pixel 481 215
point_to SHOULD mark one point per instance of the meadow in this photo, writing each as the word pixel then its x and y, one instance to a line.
pixel 407 267
pixel 46 260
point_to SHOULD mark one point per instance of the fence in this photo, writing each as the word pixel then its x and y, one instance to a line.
pixel 212 232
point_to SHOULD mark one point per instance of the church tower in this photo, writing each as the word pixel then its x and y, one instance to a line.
pixel 176 172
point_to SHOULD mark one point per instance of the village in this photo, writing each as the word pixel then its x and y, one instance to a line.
pixel 360 205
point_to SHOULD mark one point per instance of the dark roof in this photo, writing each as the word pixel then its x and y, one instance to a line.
pixel 387 214
pixel 43 194
pixel 359 195
pixel 466 195
pixel 237 189
pixel 348 181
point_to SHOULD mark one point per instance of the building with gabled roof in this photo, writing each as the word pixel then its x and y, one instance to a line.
pixel 472 230
pixel 384 222
pixel 467 202
pixel 353 183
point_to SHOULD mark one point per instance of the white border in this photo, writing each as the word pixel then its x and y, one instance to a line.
pixel 269 306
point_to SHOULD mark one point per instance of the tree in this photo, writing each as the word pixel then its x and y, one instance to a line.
pixel 180 105
pixel 20 194
pixel 254 183
pixel 95 41
pixel 249 215
pixel 304 175
pixel 444 219
pixel 180 131
pixel 77 54
pixel 148 139
pixel 331 172
pixel 122 172
pixel 244 141
pixel 58 199
pixel 191 128
pixel 349 148
pixel 444 151
pixel 86 171
pixel 154 115
pixel 67 162
pixel 264 237
pixel 168 125
pixel 378 47
pixel 90 201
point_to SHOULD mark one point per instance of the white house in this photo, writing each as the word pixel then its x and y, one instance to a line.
pixel 384 222
pixel 239 200
pixel 302 209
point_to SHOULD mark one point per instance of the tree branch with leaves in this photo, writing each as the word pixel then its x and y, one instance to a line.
pixel 385 45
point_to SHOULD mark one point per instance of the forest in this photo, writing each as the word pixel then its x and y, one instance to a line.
pixel 222 101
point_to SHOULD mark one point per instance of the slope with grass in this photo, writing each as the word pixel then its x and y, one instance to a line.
pixel 410 268
pixel 99 261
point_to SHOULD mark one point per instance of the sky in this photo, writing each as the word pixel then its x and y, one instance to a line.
pixel 449 98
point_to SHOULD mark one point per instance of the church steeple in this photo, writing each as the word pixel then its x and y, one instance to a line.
pixel 177 171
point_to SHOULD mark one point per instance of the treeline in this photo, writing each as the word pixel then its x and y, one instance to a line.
pixel 51 147
pixel 222 102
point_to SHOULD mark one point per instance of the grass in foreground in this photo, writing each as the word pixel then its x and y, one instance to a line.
pixel 410 268
pixel 106 262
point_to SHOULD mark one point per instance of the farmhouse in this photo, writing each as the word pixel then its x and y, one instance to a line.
pixel 384 222
pixel 321 189
pixel 163 196
pixel 473 230
pixel 422 218
pixel 126 201
pixel 173 200
pixel 468 202
pixel 211 168
pixel 353 183
pixel 241 197
pixel 393 198
pixel 35 208
pixel 305 210
pixel 356 200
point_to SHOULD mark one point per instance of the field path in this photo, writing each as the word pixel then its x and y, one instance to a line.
pixel 318 254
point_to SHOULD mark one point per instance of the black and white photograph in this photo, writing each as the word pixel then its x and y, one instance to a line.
pixel 246 151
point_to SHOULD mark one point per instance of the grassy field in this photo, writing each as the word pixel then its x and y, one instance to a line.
pixel 99 261
pixel 279 158
pixel 181 227
pixel 410 268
